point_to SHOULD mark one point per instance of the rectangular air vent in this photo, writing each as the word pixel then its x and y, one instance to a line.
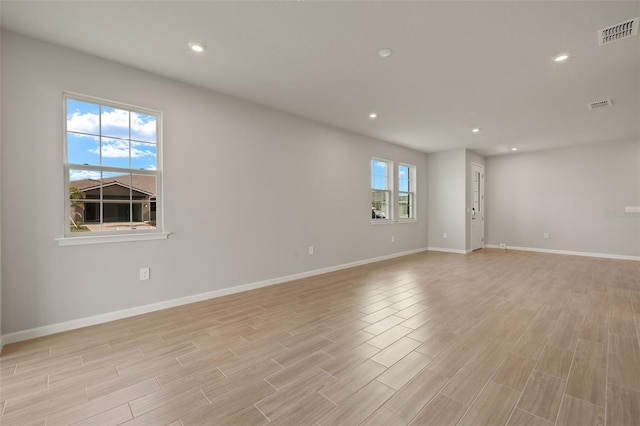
pixel 600 104
pixel 618 31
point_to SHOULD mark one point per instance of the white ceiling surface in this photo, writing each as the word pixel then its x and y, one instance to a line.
pixel 455 65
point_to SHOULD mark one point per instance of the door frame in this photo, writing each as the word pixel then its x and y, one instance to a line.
pixel 480 168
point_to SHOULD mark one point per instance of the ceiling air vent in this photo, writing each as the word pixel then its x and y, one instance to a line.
pixel 618 31
pixel 600 104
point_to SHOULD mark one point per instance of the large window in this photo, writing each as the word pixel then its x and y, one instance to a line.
pixel 406 191
pixel 112 169
pixel 381 194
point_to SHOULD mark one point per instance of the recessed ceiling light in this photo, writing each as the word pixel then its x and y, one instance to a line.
pixel 384 53
pixel 196 47
pixel 476 130
pixel 514 149
pixel 561 57
pixel 373 115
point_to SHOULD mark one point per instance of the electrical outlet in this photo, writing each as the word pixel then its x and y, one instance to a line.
pixel 310 250
pixel 444 235
pixel 144 274
pixel 393 239
pixel 503 246
pixel 546 235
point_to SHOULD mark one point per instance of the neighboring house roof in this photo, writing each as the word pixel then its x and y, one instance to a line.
pixel 140 183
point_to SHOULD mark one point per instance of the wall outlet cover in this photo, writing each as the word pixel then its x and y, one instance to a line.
pixel 144 274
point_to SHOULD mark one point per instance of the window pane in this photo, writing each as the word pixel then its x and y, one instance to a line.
pixel 153 207
pixel 83 149
pixel 116 186
pixel 143 156
pixel 404 177
pixel 116 215
pixel 115 153
pixel 380 205
pixel 142 215
pixel 378 182
pixel 378 167
pixel 143 127
pixel 143 187
pixel 84 216
pixel 405 205
pixel 83 117
pixel 85 181
pixel 406 191
pixel 114 122
pixel 76 214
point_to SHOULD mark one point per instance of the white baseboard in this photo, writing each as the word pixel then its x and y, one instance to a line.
pixel 46 330
pixel 446 250
pixel 568 252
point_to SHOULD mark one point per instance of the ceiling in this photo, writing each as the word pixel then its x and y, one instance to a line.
pixel 455 65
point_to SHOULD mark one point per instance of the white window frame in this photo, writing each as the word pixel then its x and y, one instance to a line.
pixel 411 193
pixel 120 235
pixel 389 191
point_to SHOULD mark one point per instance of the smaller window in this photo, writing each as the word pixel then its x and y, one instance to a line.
pixel 406 191
pixel 381 184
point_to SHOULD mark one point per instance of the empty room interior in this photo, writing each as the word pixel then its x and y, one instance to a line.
pixel 184 208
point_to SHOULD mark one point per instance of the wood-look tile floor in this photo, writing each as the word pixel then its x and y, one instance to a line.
pixel 495 337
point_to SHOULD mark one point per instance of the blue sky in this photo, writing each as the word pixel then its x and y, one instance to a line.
pixel 380 172
pixel 404 178
pixel 105 136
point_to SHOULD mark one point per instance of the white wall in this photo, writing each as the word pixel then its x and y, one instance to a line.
pixel 567 193
pixel 451 199
pixel 447 189
pixel 247 189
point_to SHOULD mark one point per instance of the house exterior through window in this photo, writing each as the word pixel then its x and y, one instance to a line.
pixel 406 191
pixel 381 193
pixel 112 167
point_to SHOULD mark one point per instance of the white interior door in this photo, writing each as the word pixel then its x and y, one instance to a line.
pixel 477 208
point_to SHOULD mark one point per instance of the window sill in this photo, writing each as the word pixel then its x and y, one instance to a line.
pixel 102 239
pixel 407 220
pixel 382 222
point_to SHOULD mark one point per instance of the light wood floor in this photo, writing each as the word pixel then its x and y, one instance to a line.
pixel 495 337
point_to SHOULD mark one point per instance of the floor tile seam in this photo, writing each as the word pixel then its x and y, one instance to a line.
pixel 393 393
pixel 606 372
pixel 533 370
pixel 564 390
pixel 255 405
pixel 467 408
pixel 441 354
pixel 372 379
pixel 130 410
pixel 531 414
pixel 483 386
